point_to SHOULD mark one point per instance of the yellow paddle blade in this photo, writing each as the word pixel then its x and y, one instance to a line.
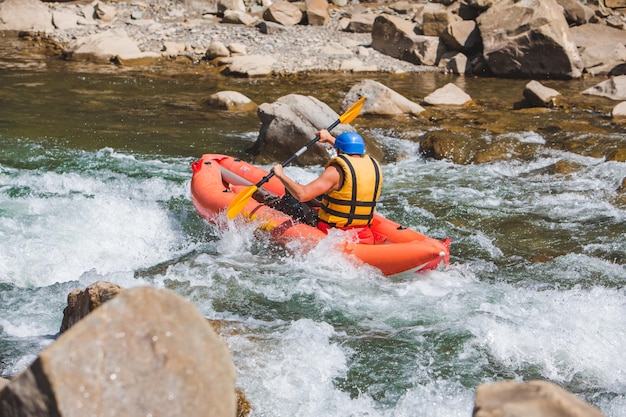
pixel 240 201
pixel 352 112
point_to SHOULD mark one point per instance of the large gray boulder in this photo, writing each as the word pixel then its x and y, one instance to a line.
pixel 448 95
pixel 107 46
pixel 462 36
pixel 29 15
pixel 576 12
pixel 145 352
pixel 395 36
pixel 317 12
pixel 614 88
pixel 231 101
pixel 602 48
pixel 290 123
pixel 435 22
pixel 284 13
pixel 380 100
pixel 361 23
pixel 538 95
pixel 528 38
pixel 248 65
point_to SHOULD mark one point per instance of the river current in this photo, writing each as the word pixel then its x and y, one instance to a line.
pixel 94 185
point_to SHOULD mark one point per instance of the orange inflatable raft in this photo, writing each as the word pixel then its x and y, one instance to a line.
pixel 217 179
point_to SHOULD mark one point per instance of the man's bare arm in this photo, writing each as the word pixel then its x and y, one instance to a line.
pixel 328 181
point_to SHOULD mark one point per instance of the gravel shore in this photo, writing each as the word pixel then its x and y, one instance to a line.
pixel 299 48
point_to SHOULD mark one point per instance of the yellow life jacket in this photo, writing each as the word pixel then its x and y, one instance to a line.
pixel 354 203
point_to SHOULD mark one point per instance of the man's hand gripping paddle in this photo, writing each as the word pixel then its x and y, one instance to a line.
pixel 239 202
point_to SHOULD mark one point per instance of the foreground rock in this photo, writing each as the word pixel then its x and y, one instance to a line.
pixel 534 398
pixel 145 352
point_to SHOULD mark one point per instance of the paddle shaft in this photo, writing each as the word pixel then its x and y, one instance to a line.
pixel 239 202
pixel 297 154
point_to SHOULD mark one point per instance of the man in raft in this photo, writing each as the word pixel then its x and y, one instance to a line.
pixel 349 188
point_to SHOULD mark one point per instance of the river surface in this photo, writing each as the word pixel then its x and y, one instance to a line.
pixel 94 185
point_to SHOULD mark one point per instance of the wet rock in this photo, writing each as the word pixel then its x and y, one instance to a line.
pixel 447 144
pixel 617 155
pixel 145 352
pixel 538 95
pixel 536 398
pixel 244 408
pixel 82 302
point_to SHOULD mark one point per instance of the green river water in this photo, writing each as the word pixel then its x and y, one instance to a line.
pixel 94 184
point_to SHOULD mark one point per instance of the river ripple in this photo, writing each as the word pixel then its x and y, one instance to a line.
pixel 94 175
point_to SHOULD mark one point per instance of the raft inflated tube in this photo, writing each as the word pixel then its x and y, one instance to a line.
pixel 218 179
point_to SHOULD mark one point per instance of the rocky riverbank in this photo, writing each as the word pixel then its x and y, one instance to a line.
pixel 548 39
pixel 146 33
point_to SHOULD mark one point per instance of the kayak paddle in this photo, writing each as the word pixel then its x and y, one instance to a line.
pixel 240 201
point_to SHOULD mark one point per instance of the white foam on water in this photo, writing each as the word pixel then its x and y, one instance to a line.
pixel 76 228
pixel 70 223
pixel 439 398
pixel 291 372
pixel 572 337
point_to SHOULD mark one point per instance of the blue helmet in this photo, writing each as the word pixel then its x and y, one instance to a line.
pixel 350 143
